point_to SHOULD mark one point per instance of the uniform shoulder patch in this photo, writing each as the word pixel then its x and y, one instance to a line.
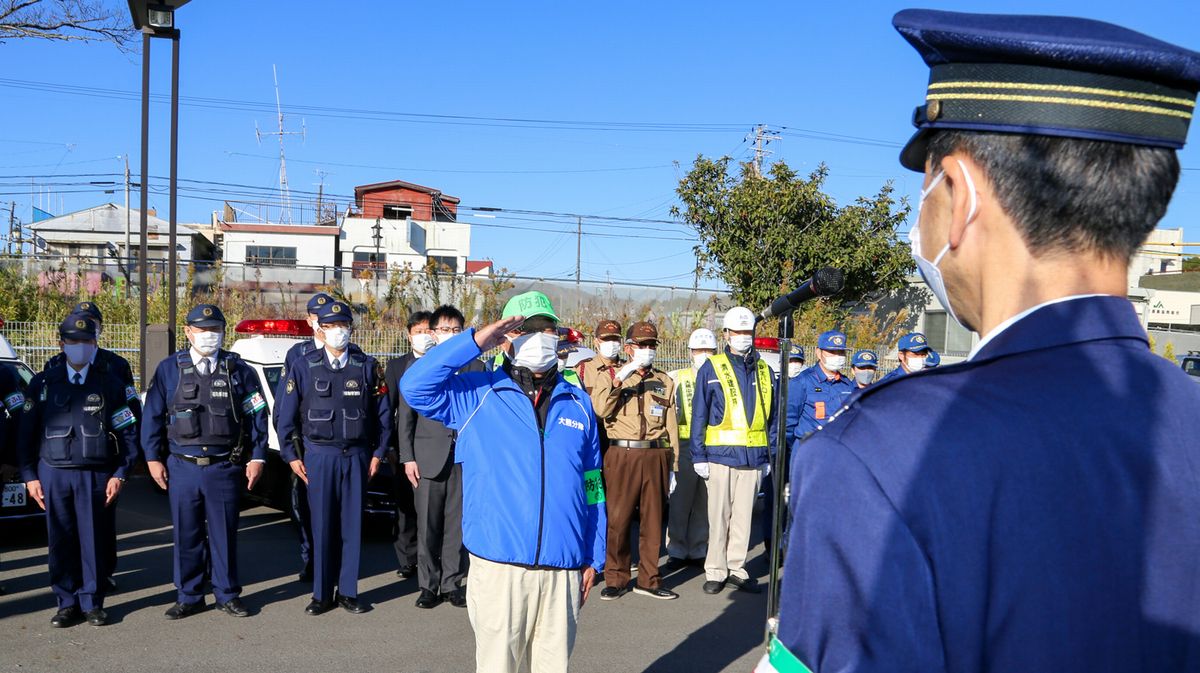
pixel 253 403
pixel 130 393
pixel 123 418
pixel 14 400
pixel 291 386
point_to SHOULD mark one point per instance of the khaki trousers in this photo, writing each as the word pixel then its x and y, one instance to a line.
pixel 687 524
pixel 731 492
pixel 524 619
pixel 635 479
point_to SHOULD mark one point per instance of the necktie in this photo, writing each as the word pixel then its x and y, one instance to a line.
pixel 204 367
pixel 337 365
pixel 78 379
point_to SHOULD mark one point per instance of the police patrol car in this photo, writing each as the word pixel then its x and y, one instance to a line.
pixel 263 344
pixel 14 501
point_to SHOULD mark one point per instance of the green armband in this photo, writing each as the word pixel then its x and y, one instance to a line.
pixel 593 485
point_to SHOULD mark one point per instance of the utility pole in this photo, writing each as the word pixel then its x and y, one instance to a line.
pixel 578 254
pixel 12 225
pixel 762 137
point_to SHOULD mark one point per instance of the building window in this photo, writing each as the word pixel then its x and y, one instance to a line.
pixel 945 335
pixel 445 264
pixel 370 260
pixel 270 255
pixel 397 211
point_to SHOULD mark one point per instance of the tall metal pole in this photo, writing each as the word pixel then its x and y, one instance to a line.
pixel 142 251
pixel 778 473
pixel 128 219
pixel 578 255
pixel 172 255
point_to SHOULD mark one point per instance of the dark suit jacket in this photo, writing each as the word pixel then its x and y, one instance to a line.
pixel 428 442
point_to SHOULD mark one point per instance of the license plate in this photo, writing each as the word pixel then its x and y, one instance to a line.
pixel 14 495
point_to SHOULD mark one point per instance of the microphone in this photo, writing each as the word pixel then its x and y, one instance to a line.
pixel 824 282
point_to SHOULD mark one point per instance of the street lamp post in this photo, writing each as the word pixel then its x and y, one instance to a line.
pixel 157 19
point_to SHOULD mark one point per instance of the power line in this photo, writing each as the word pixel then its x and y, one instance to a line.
pixel 460 171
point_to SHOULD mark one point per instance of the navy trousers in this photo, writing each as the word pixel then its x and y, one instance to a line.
pixel 205 509
pixel 78 535
pixel 337 486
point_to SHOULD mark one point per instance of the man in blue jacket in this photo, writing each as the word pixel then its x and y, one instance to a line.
pixel 819 391
pixel 733 427
pixel 533 496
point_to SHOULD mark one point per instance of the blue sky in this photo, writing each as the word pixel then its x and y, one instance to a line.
pixel 828 68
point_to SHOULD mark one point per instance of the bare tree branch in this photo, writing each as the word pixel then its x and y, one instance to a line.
pixel 67 21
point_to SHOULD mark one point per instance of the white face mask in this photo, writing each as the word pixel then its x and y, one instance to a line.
pixel 835 362
pixel 794 369
pixel 915 364
pixel 698 360
pixel 443 338
pixel 609 350
pixel 422 343
pixel 741 343
pixel 337 337
pixel 929 270
pixel 864 377
pixel 536 352
pixel 644 357
pixel 207 343
pixel 79 354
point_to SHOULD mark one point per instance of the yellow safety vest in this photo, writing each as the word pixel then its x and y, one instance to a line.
pixel 685 390
pixel 733 429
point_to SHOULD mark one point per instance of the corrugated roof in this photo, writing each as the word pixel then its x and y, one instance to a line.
pixel 392 184
pixel 106 218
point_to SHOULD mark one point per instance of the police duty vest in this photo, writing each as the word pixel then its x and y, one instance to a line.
pixel 733 430
pixel 76 421
pixel 336 407
pixel 204 410
pixel 685 390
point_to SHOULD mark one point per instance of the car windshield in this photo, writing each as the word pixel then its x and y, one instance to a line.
pixel 24 373
pixel 1192 366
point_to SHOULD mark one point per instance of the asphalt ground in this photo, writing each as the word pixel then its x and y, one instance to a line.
pixel 695 633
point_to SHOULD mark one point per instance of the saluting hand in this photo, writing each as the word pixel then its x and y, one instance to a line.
pixel 493 335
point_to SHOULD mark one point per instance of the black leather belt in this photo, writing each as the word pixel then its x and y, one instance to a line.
pixel 202 461
pixel 642 444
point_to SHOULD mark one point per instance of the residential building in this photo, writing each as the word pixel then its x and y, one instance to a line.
pixel 299 256
pixel 99 233
pixel 400 223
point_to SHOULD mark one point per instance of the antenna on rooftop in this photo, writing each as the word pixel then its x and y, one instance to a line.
pixel 285 214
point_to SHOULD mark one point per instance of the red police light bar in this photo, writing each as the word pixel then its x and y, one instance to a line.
pixel 766 344
pixel 292 328
pixel 570 335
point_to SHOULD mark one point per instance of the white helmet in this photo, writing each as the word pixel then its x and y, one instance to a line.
pixel 739 318
pixel 702 339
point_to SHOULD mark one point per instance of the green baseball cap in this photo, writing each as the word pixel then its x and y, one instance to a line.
pixel 529 304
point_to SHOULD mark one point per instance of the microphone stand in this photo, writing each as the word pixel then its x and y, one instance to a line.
pixel 778 470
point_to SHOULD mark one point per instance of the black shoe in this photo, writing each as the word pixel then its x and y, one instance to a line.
pixel 457 598
pixel 660 594
pixel 612 593
pixel 407 571
pixel 428 600
pixel 96 617
pixel 673 564
pixel 306 573
pixel 181 610
pixel 66 617
pixel 317 607
pixel 112 585
pixel 351 605
pixel 234 607
pixel 711 587
pixel 750 586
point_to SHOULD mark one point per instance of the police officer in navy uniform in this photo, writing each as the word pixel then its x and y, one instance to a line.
pixel 912 350
pixel 335 400
pixel 299 499
pixel 205 414
pixel 819 391
pixel 78 440
pixel 973 518
pixel 106 361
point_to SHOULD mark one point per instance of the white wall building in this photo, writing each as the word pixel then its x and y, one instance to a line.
pixel 404 242
pixel 299 255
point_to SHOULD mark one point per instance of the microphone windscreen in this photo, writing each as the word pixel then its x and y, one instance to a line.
pixel 828 281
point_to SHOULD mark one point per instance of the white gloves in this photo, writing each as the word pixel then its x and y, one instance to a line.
pixel 625 371
pixel 701 470
pixel 671 484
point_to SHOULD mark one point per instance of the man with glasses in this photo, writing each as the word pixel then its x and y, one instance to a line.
pixel 533 496
pixel 426 451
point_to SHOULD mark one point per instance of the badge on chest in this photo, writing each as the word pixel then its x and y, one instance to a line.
pixel 93 403
pixel 352 389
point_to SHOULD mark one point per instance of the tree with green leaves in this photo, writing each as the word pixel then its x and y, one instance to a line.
pixel 1191 264
pixel 763 235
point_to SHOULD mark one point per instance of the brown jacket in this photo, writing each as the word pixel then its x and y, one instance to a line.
pixel 639 408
